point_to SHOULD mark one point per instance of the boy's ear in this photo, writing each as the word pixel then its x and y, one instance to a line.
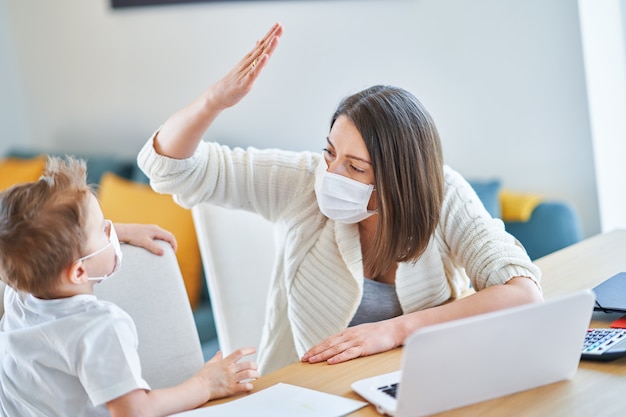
pixel 75 273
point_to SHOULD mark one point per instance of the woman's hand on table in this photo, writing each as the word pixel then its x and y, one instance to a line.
pixel 362 340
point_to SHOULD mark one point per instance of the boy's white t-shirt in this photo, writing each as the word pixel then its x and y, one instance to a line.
pixel 65 357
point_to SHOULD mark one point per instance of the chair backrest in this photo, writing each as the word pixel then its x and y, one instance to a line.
pixel 151 289
pixel 237 249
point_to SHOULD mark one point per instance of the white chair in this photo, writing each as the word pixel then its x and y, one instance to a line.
pixel 150 288
pixel 237 249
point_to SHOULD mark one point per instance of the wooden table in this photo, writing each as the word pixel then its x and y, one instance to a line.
pixel 598 389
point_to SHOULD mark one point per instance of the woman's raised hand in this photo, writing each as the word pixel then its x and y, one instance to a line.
pixel 182 132
pixel 239 81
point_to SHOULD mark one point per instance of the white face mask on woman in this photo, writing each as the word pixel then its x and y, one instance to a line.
pixel 113 241
pixel 340 198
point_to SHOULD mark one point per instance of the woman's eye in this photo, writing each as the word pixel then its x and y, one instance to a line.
pixel 357 169
pixel 329 153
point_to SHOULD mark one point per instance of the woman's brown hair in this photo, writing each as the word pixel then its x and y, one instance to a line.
pixel 42 227
pixel 407 159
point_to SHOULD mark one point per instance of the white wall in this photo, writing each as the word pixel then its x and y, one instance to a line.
pixel 504 80
pixel 13 128
pixel 602 25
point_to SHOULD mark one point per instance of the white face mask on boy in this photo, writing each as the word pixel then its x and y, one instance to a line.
pixel 113 240
pixel 340 198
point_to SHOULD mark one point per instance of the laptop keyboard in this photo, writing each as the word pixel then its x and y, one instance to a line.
pixel 390 390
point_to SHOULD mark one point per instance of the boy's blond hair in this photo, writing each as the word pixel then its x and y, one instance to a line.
pixel 42 226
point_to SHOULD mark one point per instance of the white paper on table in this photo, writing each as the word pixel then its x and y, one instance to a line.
pixel 281 400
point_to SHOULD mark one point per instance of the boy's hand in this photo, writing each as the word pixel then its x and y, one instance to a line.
pixel 227 376
pixel 144 236
pixel 219 377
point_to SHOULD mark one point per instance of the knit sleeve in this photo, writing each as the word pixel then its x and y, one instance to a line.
pixel 476 241
pixel 262 181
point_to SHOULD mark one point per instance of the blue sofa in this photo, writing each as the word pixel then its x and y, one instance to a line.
pixel 550 226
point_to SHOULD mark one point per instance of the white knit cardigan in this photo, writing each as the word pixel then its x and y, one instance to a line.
pixel 318 279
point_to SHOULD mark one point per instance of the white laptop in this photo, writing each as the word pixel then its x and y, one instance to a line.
pixel 474 359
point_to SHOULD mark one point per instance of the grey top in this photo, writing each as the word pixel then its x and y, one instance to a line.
pixel 379 302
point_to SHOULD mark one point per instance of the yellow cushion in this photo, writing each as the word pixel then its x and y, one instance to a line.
pixel 518 207
pixel 17 170
pixel 125 201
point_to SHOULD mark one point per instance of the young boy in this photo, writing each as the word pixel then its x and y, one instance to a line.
pixel 64 352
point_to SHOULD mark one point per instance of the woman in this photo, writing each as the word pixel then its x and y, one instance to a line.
pixel 378 236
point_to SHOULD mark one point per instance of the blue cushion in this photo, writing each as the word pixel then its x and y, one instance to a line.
pixel 139 176
pixel 487 191
pixel 97 165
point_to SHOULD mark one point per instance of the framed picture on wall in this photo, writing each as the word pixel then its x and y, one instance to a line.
pixel 116 4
